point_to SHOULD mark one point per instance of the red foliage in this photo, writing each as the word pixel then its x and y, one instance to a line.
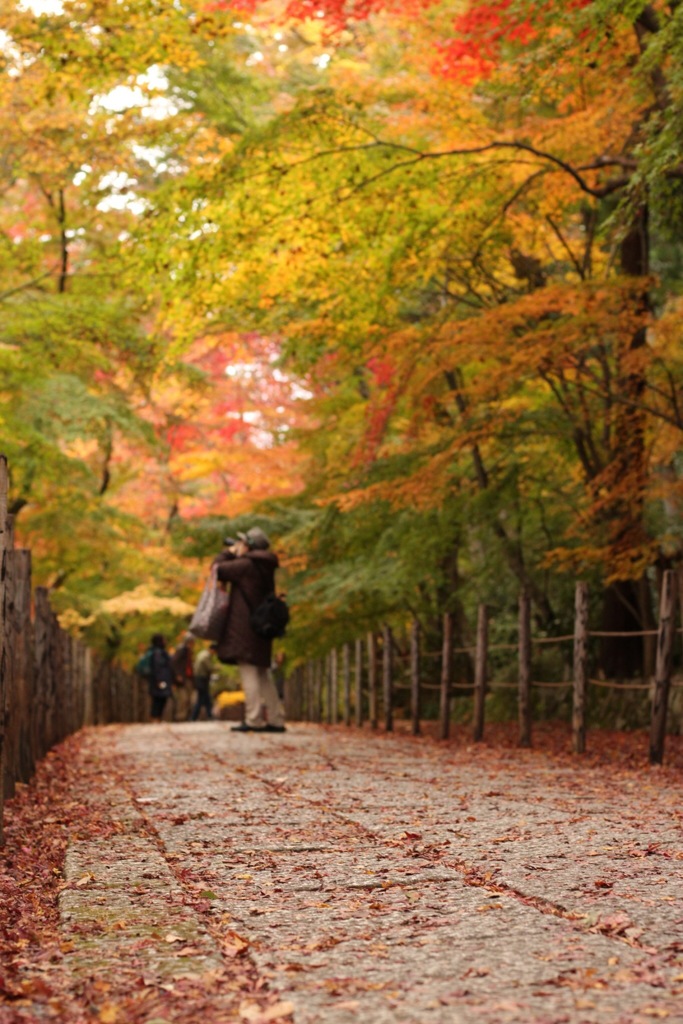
pixel 382 370
pixel 483 30
pixel 336 14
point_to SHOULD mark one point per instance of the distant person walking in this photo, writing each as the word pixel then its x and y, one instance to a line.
pixel 181 660
pixel 155 666
pixel 249 565
pixel 203 668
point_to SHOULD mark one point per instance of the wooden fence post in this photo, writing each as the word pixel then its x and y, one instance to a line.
pixel 308 700
pixel 346 669
pixel 301 693
pixel 3 635
pixel 580 668
pixel 42 665
pixel 415 708
pixel 524 670
pixel 665 639
pixel 9 711
pixel 388 678
pixel 480 671
pixel 358 680
pixel 318 696
pixel 23 662
pixel 446 661
pixel 334 686
pixel 372 680
pixel 292 700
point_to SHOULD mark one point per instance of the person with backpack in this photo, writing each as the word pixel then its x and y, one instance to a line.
pixel 155 666
pixel 253 617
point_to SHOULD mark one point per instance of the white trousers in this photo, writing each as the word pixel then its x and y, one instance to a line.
pixel 259 694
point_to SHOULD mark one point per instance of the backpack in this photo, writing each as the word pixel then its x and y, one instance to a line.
pixel 270 618
pixel 144 665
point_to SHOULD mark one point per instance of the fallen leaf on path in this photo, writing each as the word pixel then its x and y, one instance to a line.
pixel 277 1012
pixel 109 1014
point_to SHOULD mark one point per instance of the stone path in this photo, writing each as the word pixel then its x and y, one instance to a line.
pixel 382 879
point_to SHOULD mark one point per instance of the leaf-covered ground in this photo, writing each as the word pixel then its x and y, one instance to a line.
pixel 184 873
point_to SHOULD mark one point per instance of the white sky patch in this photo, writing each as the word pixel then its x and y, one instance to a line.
pixel 300 392
pixel 12 53
pixel 155 156
pixel 255 58
pixel 129 202
pixel 124 97
pixel 43 6
pixel 249 370
pixel 205 229
pixel 322 61
pixel 258 436
pixel 80 175
pixel 122 196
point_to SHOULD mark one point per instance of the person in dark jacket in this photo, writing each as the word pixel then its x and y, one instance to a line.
pixel 155 666
pixel 249 565
pixel 203 668
pixel 183 683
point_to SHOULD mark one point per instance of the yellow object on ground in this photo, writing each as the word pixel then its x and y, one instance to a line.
pixel 227 698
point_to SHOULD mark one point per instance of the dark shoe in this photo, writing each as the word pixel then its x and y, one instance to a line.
pixel 275 728
pixel 243 727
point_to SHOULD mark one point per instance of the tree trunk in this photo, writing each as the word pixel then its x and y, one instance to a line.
pixel 627 603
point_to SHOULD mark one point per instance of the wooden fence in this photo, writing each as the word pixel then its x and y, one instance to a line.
pixel 351 684
pixel 50 684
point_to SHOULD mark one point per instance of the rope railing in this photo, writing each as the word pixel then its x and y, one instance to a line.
pixel 380 670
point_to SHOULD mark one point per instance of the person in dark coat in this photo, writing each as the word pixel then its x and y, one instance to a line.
pixel 182 662
pixel 155 666
pixel 203 668
pixel 249 565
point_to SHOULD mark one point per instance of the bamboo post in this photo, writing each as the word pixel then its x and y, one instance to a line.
pixel 372 679
pixel 3 636
pixel 346 669
pixel 388 678
pixel 446 662
pixel 524 670
pixel 480 672
pixel 665 641
pixel 580 668
pixel 415 708
pixel 358 680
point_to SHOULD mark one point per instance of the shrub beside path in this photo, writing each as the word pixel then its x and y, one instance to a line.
pixel 325 875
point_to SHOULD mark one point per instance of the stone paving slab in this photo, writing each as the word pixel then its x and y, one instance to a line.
pixel 387 879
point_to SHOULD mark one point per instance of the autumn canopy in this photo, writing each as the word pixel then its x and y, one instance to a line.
pixel 399 282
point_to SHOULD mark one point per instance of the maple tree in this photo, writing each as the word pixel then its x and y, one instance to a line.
pixel 539 152
pixel 441 263
pixel 98 392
